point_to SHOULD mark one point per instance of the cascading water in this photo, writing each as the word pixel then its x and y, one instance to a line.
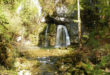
pixel 35 3
pixel 47 66
pixel 62 37
pixel 46 37
pixel 19 9
pixel 56 1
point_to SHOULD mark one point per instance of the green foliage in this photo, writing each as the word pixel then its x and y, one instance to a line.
pixel 104 32
pixel 6 55
pixel 48 7
pixel 74 63
pixel 9 26
pixel 100 67
pixel 105 61
pixel 96 72
pixel 93 42
pixel 11 23
pixel 107 47
pixel 78 63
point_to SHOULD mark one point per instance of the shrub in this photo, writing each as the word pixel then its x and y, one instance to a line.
pixel 6 55
pixel 93 40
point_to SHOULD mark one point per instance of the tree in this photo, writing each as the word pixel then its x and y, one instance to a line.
pixel 79 24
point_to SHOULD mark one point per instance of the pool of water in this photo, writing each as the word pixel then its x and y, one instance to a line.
pixel 47 66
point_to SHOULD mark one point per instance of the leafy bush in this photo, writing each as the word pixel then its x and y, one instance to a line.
pixel 105 61
pixel 6 55
pixel 93 40
pixel 107 47
pixel 73 64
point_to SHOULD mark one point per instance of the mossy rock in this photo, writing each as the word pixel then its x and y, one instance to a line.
pixel 6 55
pixel 75 63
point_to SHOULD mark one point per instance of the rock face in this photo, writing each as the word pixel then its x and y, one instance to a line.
pixel 62 15
pixel 61 11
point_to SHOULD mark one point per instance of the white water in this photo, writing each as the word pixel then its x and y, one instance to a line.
pixel 47 66
pixel 37 4
pixel 62 37
pixel 19 9
pixel 46 36
pixel 19 38
pixel 43 19
pixel 24 72
pixel 56 1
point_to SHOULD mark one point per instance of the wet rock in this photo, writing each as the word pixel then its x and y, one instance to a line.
pixel 44 60
pixel 64 68
pixel 24 72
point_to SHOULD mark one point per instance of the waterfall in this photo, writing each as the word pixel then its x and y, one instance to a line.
pixel 62 37
pixel 19 9
pixel 56 1
pixel 37 4
pixel 46 36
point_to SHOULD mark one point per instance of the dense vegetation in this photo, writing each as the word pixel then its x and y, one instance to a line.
pixel 20 18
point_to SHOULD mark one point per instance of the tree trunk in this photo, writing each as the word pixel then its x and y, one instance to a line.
pixel 79 24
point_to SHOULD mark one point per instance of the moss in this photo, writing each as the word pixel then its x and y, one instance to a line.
pixel 74 63
pixel 25 64
pixel 51 35
pixel 7 56
pixel 8 72
pixel 93 41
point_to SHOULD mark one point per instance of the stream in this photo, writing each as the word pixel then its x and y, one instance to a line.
pixel 39 62
pixel 47 66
